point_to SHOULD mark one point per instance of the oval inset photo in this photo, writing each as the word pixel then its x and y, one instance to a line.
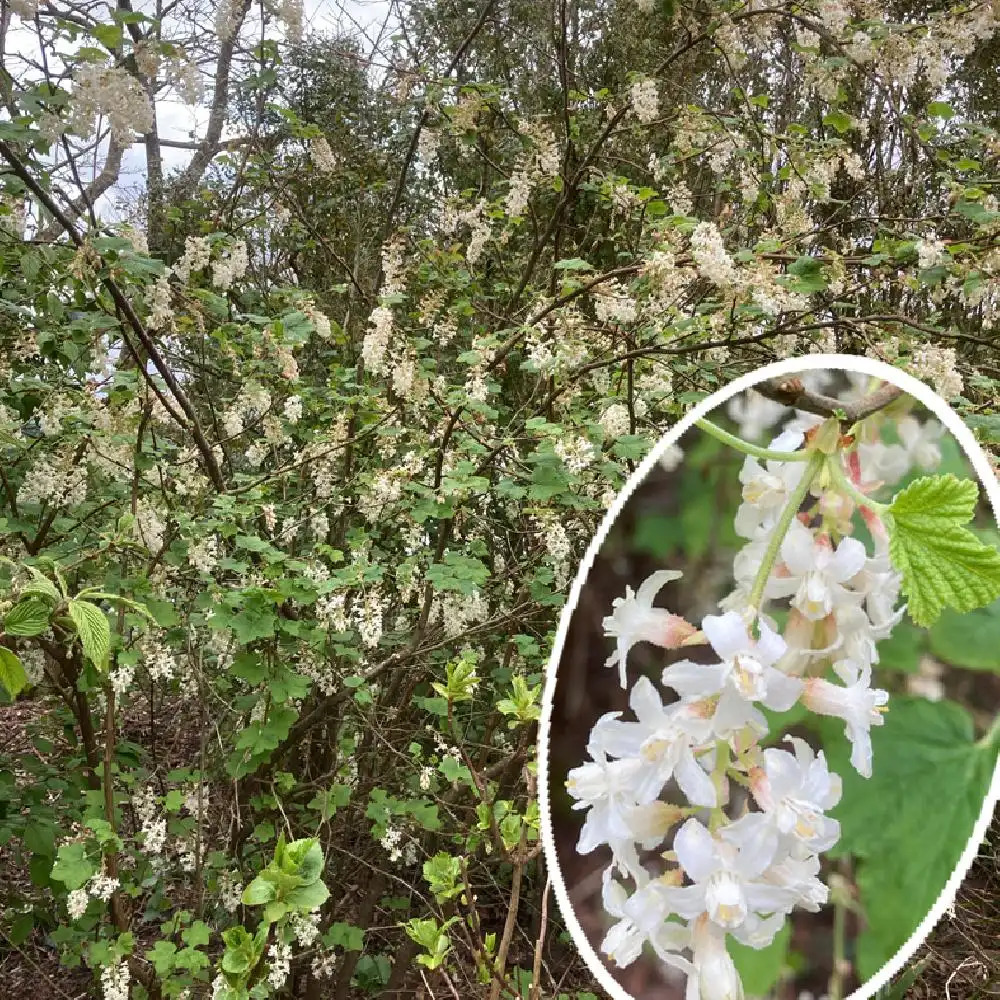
pixel 769 740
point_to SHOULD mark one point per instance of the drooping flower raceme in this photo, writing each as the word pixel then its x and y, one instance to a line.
pixel 748 817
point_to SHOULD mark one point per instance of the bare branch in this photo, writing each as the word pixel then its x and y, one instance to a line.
pixel 791 392
pixel 88 196
pixel 210 145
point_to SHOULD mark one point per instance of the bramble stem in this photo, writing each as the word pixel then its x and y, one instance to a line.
pixel 816 460
pixel 747 448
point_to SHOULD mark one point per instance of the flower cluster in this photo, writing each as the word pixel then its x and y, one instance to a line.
pixel 747 841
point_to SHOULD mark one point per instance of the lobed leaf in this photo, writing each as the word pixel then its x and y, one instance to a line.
pixel 943 564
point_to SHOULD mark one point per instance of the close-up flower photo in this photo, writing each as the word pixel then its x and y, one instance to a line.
pixel 773 731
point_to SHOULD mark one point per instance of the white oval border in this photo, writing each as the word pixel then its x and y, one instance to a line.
pixel 790 366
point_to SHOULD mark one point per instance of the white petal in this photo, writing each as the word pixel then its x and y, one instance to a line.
pixel 757 838
pixel 787 440
pixel 694 782
pixel 783 771
pixel 769 898
pixel 798 549
pixel 849 560
pixel 613 894
pixel 861 750
pixel 645 701
pixel 770 646
pixel 727 633
pixel 782 691
pixel 686 901
pixel 695 679
pixel 696 850
pixel 653 584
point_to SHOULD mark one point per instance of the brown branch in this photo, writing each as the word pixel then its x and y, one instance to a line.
pixel 791 392
pixel 210 145
pixel 90 193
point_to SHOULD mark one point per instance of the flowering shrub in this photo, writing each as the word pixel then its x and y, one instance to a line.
pixel 755 805
pixel 301 439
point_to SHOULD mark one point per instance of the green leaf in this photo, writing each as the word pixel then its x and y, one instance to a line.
pixel 987 426
pixel 572 264
pixel 259 891
pixel 943 564
pixel 162 956
pixel 760 968
pixel 27 618
pixel 72 867
pixel 971 640
pixel 21 929
pixel 12 676
pixel 839 120
pixel 940 109
pixel 109 35
pixel 906 851
pixel 346 936
pixel 95 633
pixel 197 934
pixel 41 586
pixel 308 856
pixel 903 649
pixel 307 898
pixel 900 989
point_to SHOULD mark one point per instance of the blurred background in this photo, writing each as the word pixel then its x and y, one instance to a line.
pixel 681 517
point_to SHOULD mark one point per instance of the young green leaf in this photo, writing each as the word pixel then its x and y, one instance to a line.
pixel 943 563
pixel 95 633
pixel 30 617
pixel 12 676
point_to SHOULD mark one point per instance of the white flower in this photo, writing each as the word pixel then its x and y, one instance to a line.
pixel 645 100
pixel 671 458
pixel 322 155
pixel 754 414
pixel 293 409
pixel 634 619
pixel 883 463
pixel 717 978
pixel 280 956
pixel 608 790
pixel 115 981
pixel 800 877
pixel 615 420
pixel 641 919
pixel 816 572
pixel 727 881
pixel 745 675
pixel 710 256
pixel 662 738
pixel 858 704
pixel 76 903
pixel 930 252
pixel 794 791
pixel 766 488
